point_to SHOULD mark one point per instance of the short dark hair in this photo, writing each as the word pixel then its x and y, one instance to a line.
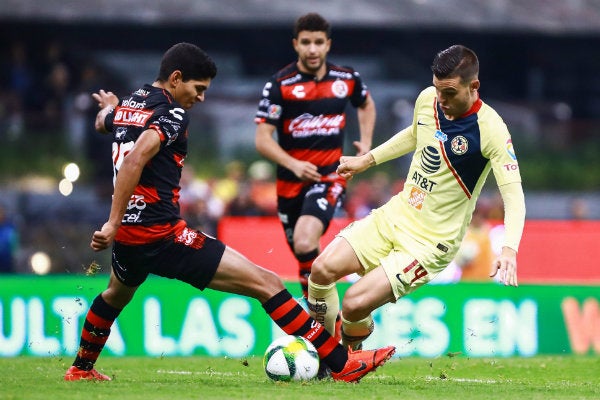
pixel 191 60
pixel 456 60
pixel 312 22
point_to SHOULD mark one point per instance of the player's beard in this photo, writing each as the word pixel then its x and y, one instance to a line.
pixel 311 68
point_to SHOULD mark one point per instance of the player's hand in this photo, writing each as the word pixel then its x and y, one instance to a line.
pixel 361 148
pixel 351 165
pixel 506 266
pixel 103 238
pixel 105 99
pixel 306 171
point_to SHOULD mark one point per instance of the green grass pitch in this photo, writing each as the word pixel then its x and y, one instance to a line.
pixel 176 378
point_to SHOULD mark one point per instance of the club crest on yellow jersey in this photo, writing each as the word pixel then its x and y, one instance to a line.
pixel 459 145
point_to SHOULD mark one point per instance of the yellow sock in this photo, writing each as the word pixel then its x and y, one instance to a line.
pixel 354 333
pixel 324 304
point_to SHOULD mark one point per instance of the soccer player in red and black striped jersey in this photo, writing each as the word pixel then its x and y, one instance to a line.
pixel 305 103
pixel 148 235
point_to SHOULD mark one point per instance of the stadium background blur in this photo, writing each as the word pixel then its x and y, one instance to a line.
pixel 539 69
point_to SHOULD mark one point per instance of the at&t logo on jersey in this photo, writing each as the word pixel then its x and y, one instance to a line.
pixel 423 182
pixel 430 159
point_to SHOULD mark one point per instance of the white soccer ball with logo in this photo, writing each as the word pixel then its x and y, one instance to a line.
pixel 291 358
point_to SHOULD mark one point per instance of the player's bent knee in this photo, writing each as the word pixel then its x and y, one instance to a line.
pixel 303 246
pixel 320 273
pixel 327 268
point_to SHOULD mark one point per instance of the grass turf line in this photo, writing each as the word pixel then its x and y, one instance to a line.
pixel 146 378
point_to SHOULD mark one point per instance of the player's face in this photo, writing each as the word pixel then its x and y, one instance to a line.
pixel 312 48
pixel 454 96
pixel 190 92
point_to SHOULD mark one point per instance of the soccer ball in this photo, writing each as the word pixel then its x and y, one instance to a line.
pixel 291 358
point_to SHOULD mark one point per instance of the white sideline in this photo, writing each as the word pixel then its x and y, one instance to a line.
pixel 207 372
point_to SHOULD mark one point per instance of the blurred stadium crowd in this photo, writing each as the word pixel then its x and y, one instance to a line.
pixel 544 84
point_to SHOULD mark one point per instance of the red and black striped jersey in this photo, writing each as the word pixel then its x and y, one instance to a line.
pixel 153 210
pixel 310 117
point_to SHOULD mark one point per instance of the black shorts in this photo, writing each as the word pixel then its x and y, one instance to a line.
pixel 321 200
pixel 191 257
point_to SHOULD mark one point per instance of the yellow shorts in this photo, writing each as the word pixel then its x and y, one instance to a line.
pixel 377 242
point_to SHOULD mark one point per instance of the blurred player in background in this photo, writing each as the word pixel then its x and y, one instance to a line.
pixel 475 254
pixel 148 235
pixel 457 139
pixel 305 103
pixel 9 243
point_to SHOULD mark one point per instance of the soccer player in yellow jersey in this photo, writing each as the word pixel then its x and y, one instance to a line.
pixel 456 139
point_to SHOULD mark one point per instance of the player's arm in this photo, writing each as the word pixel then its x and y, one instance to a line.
pixel 366 115
pixel 398 145
pixel 107 101
pixel 514 221
pixel 130 171
pixel 268 147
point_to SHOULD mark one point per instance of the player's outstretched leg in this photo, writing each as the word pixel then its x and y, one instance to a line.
pixel 345 364
pixel 361 362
